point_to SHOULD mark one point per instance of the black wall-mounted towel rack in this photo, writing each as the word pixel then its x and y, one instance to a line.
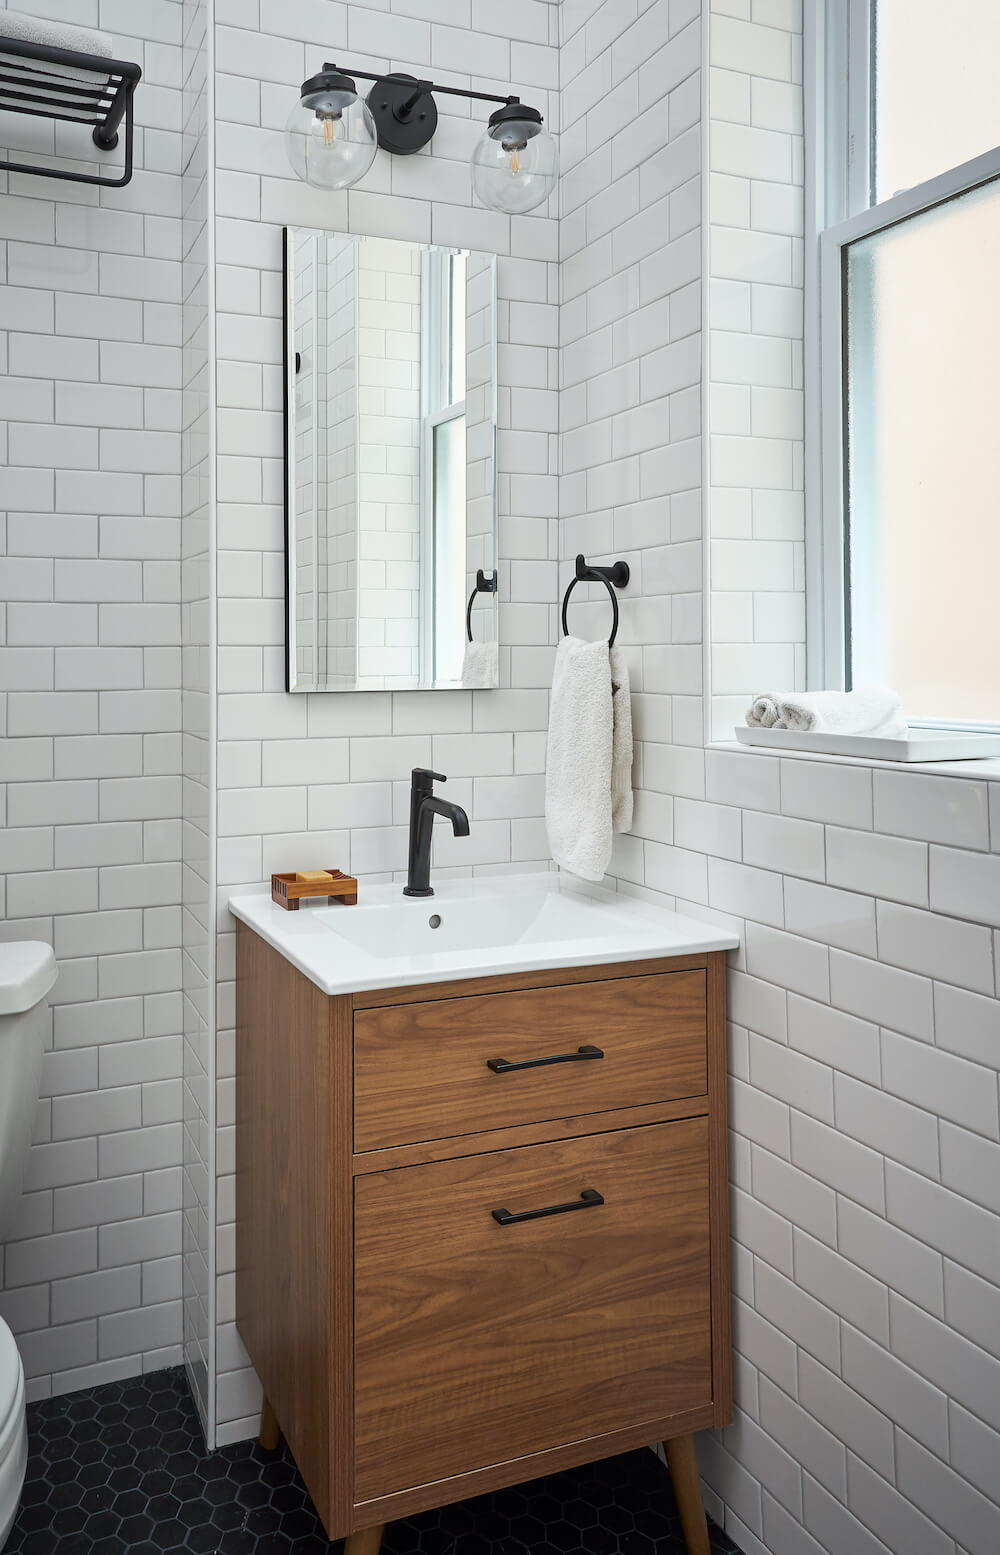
pixel 103 104
pixel 614 577
pixel 484 585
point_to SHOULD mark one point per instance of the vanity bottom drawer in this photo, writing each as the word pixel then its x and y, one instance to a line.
pixel 483 1335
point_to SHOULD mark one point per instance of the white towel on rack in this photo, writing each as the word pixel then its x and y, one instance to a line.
pixel 621 744
pixel 60 35
pixel 869 710
pixel 480 666
pixel 578 762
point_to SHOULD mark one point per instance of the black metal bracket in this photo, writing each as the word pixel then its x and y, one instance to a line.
pixel 614 577
pixel 104 104
pixel 582 1055
pixel 484 585
pixel 403 106
pixel 589 1199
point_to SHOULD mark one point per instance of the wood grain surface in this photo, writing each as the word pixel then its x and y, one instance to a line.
pixel 293 1211
pixel 421 1072
pixel 476 1343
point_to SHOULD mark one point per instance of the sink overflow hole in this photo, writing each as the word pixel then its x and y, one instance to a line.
pixel 435 920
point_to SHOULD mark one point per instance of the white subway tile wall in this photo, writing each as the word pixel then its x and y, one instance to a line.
pixel 865 1022
pixel 91 679
pixel 310 780
pixel 864 1003
pixel 754 409
pixel 197 718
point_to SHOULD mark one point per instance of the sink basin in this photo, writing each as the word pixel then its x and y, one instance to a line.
pixel 434 926
pixel 471 928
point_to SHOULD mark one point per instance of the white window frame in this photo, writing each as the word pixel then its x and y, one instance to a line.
pixel 838 39
pixel 434 369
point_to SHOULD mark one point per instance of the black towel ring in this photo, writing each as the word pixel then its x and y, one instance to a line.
pixel 484 585
pixel 614 577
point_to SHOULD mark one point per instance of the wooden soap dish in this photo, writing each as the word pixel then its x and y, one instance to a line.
pixel 287 891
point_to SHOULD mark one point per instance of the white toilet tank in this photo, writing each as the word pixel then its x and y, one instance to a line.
pixel 27 974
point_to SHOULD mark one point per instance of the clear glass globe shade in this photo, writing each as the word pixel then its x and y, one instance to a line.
pixel 513 175
pixel 331 153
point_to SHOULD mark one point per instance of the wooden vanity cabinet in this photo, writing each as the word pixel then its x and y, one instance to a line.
pixel 422 1334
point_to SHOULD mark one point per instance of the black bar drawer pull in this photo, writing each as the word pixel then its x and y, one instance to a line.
pixel 582 1054
pixel 589 1199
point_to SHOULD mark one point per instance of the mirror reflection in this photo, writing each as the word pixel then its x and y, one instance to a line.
pixel 390 404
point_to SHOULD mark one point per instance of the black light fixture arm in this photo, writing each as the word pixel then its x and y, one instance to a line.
pixel 404 107
pixel 420 87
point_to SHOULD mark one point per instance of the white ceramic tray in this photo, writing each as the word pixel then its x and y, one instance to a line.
pixel 921 744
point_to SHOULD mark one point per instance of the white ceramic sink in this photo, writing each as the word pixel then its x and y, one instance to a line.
pixel 470 928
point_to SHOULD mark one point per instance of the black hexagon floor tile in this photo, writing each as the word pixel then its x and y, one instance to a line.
pixel 122 1470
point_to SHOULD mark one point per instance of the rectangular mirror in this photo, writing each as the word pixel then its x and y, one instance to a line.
pixel 390 464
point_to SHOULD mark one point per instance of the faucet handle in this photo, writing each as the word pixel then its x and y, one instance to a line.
pixel 423 778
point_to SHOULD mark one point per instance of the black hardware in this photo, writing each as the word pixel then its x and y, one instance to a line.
pixel 589 1199
pixel 484 585
pixel 404 111
pixel 103 104
pixel 403 106
pixel 614 577
pixel 582 1054
pixel 424 806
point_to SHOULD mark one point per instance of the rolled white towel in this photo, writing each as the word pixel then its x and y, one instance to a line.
pixel 869 710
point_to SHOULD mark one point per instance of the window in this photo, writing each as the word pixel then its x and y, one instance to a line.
pixel 443 464
pixel 909 369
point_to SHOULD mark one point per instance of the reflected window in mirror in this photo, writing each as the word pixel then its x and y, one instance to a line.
pixel 391 404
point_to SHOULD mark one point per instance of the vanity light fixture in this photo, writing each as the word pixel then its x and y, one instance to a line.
pixel 332 135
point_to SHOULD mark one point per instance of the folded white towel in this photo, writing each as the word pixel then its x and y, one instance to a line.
pixel 480 666
pixel 578 759
pixel 60 35
pixel 869 710
pixel 621 744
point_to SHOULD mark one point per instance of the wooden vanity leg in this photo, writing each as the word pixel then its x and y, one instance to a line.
pixel 683 1466
pixel 270 1430
pixel 368 1541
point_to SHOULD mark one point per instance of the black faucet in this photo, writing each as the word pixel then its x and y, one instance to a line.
pixel 424 806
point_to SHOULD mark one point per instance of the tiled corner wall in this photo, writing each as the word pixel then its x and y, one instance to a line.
pixel 754 406
pixel 91 677
pixel 197 710
pixel 631 321
pixel 865 1022
pixel 326 777
pixel 865 1150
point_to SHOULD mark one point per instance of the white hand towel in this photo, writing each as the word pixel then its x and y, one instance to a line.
pixel 621 744
pixel 869 710
pixel 578 759
pixel 480 666
pixel 60 35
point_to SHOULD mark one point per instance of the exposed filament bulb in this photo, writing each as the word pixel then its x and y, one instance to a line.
pixel 514 149
pixel 329 127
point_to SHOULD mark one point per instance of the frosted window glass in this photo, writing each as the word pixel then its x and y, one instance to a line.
pixel 936 100
pixel 923 459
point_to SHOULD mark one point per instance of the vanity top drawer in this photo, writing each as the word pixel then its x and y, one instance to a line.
pixel 446 1067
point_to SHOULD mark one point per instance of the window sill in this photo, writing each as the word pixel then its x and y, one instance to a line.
pixel 981 768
